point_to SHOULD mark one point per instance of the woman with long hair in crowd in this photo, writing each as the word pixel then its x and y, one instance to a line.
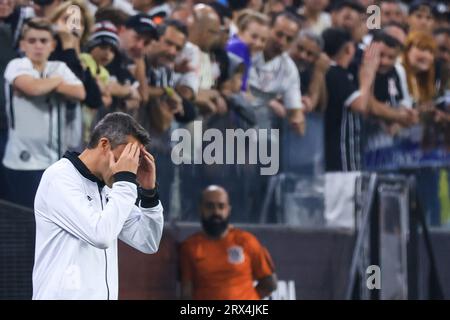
pixel 419 61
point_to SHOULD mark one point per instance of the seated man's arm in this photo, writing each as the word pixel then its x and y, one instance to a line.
pixel 210 101
pixel 71 87
pixel 34 87
pixel 267 285
pixel 186 92
pixel 403 116
pixel 315 90
pixel 71 91
pixel 292 97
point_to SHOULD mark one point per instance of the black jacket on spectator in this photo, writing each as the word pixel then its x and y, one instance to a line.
pixel 9 38
pixel 16 21
pixel 343 127
pixel 69 56
pixel 387 88
pixel 305 80
pixel 6 54
pixel 119 69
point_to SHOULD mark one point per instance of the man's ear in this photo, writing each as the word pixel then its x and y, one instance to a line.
pixel 104 144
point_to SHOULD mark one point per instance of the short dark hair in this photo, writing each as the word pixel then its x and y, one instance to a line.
pixel 387 39
pixel 237 5
pixel 37 24
pixel 178 25
pixel 116 127
pixel 348 4
pixel 116 16
pixel 222 11
pixel 419 4
pixel 334 40
pixel 288 15
pixel 398 25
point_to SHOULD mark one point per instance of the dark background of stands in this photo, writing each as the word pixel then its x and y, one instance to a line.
pixel 317 260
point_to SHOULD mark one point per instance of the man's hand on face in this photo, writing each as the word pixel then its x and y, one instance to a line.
pixel 369 66
pixel 128 160
pixel 146 173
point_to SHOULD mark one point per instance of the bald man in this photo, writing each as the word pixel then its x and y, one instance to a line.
pixel 205 31
pixel 222 262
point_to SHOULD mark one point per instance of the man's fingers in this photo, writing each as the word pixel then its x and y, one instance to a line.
pixel 126 150
pixel 146 153
pixel 147 157
pixel 149 160
pixel 135 151
pixel 132 150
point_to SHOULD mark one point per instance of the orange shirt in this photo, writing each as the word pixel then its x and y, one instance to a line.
pixel 226 268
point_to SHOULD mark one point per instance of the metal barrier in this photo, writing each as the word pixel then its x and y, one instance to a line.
pixel 318 268
pixel 389 219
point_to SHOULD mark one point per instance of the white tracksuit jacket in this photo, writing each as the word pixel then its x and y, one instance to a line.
pixel 78 222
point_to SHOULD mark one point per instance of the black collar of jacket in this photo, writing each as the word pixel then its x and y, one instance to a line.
pixel 81 167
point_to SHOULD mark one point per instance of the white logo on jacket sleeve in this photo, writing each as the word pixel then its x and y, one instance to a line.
pixel 236 255
pixel 72 278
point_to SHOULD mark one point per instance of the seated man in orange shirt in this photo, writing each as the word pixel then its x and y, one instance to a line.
pixel 222 262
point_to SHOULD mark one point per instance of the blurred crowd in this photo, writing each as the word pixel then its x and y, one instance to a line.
pixel 326 73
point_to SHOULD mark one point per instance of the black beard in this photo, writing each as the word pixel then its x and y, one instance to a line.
pixel 214 227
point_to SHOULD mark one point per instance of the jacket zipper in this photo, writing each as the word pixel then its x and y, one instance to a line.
pixel 106 257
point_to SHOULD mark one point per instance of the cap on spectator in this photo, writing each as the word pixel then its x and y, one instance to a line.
pixel 442 11
pixel 158 18
pixel 142 24
pixel 417 4
pixel 348 4
pixel 104 33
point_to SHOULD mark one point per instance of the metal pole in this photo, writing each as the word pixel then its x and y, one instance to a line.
pixel 361 233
